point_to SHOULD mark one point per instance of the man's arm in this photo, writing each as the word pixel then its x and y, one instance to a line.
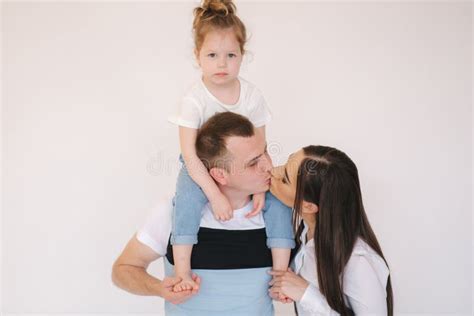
pixel 129 273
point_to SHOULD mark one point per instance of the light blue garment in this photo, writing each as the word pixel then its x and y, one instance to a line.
pixel 190 200
pixel 237 292
pixel 188 203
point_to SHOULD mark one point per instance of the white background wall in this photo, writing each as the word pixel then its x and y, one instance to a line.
pixel 87 150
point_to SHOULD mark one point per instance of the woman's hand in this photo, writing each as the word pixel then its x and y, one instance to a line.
pixel 288 283
pixel 277 296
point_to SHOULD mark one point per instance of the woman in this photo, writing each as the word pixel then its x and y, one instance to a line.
pixel 339 266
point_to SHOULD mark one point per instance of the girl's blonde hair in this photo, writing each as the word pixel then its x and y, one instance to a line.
pixel 217 15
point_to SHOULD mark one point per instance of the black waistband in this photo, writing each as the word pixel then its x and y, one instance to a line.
pixel 228 249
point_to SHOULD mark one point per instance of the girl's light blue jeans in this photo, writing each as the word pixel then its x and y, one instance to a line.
pixel 190 200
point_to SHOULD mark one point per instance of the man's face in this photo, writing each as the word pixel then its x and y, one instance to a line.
pixel 250 164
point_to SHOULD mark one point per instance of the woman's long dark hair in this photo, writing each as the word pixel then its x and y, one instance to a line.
pixel 328 178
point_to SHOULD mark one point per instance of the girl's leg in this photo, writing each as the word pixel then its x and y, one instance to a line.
pixel 279 228
pixel 188 204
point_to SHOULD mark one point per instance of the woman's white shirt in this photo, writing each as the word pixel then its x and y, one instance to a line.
pixel 365 280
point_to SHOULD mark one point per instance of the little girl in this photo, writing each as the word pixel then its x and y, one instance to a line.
pixel 219 37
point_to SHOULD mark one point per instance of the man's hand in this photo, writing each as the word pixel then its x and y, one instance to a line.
pixel 258 204
pixel 221 207
pixel 177 297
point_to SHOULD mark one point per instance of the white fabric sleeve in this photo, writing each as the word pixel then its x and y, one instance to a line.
pixel 315 303
pixel 156 231
pixel 365 281
pixel 260 115
pixel 189 114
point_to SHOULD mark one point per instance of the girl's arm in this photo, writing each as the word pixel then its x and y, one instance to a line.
pixel 258 198
pixel 198 172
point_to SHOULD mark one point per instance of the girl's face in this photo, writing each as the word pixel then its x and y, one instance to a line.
pixel 283 182
pixel 220 57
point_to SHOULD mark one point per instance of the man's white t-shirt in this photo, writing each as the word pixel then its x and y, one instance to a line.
pixel 156 231
pixel 222 292
pixel 199 104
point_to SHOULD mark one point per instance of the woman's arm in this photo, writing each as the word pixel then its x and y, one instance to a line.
pixel 365 282
pixel 365 292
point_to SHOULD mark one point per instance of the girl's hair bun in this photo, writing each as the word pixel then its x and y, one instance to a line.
pixel 217 14
pixel 218 7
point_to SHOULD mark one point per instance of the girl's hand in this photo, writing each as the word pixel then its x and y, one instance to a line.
pixel 221 208
pixel 258 204
pixel 289 284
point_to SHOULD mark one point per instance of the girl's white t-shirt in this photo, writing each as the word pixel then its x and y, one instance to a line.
pixel 198 105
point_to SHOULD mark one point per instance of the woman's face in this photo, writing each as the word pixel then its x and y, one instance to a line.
pixel 283 184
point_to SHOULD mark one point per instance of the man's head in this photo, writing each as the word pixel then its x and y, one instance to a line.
pixel 235 153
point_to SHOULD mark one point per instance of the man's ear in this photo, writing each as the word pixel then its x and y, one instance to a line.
pixel 310 208
pixel 219 175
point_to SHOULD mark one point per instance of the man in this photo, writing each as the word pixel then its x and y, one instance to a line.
pixel 231 257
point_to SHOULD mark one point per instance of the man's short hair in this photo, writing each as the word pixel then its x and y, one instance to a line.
pixel 212 138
